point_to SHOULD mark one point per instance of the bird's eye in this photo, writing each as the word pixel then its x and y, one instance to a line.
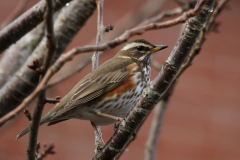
pixel 140 48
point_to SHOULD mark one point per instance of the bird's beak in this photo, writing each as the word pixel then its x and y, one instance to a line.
pixel 158 48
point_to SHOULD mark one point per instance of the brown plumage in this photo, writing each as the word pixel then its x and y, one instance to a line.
pixel 108 93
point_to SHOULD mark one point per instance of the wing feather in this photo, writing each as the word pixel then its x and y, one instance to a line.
pixel 94 87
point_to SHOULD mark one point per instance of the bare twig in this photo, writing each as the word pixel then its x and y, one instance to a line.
pixel 151 144
pixel 158 86
pixel 159 112
pixel 16 12
pixel 48 149
pixel 111 44
pixel 100 31
pixel 54 100
pixel 164 14
pixel 25 23
pixel 95 60
pixel 51 48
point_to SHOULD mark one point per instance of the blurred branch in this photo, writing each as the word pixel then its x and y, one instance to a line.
pixel 18 53
pixel 48 149
pixel 156 65
pixel 155 129
pixel 68 23
pixel 164 14
pixel 160 109
pixel 15 13
pixel 51 49
pixel 111 44
pixel 25 23
pixel 158 86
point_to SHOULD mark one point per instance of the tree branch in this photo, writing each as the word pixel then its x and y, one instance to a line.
pixel 25 23
pixel 170 13
pixel 68 23
pixel 18 53
pixel 100 31
pixel 51 49
pixel 95 59
pixel 158 86
pixel 48 149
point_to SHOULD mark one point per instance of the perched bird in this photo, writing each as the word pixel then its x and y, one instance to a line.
pixel 108 93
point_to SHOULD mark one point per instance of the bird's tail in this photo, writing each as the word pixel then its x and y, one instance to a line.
pixel 44 119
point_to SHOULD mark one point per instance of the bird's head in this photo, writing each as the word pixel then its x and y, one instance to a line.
pixel 140 50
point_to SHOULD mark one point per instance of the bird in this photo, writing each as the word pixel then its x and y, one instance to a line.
pixel 108 93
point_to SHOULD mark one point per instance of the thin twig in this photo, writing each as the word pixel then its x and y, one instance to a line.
pixel 15 13
pixel 48 149
pixel 155 129
pixel 95 60
pixel 160 109
pixel 184 7
pixel 100 31
pixel 51 48
pixel 111 44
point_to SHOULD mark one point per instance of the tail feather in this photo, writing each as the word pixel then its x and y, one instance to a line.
pixel 26 130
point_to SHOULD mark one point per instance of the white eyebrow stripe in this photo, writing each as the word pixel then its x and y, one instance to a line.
pixel 126 57
pixel 132 45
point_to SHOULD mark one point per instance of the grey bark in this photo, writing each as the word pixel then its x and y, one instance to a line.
pixel 25 23
pixel 18 53
pixel 69 22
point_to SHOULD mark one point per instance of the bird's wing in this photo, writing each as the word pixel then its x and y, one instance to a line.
pixel 93 87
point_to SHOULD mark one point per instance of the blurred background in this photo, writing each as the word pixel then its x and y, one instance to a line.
pixel 203 116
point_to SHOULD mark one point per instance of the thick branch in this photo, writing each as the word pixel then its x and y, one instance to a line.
pixel 25 23
pixel 69 22
pixel 158 86
pixel 18 53
pixel 51 48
